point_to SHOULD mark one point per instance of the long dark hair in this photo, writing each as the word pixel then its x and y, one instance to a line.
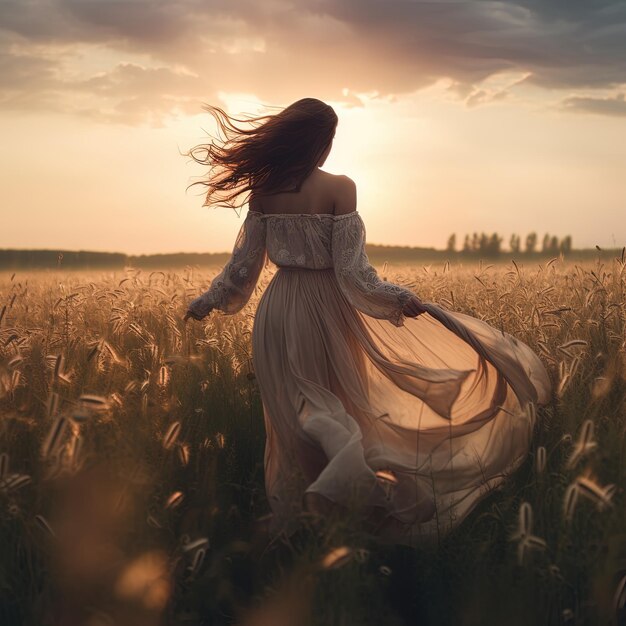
pixel 270 154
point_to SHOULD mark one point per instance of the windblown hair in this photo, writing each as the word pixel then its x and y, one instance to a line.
pixel 264 155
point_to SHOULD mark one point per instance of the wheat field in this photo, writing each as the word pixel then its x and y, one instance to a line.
pixel 131 465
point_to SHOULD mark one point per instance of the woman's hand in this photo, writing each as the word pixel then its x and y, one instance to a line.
pixel 194 315
pixel 413 307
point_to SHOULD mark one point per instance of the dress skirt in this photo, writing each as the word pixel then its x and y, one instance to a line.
pixel 420 420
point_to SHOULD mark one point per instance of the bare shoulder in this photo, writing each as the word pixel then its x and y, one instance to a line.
pixel 344 192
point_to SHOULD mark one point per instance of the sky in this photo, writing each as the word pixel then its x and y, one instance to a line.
pixel 454 117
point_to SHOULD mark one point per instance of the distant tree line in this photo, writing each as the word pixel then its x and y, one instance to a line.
pixel 68 259
pixel 59 259
pixel 474 247
pixel 484 244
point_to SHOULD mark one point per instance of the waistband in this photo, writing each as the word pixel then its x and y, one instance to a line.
pixel 291 268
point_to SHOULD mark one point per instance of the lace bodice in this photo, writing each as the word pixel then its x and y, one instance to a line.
pixel 308 241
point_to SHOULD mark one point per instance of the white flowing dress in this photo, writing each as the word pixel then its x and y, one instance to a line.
pixel 362 405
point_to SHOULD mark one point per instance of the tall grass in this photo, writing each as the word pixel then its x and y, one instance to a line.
pixel 131 465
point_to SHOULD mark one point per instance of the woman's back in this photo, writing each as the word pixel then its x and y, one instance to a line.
pixel 320 193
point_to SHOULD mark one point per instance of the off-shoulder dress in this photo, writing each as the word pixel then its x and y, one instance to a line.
pixel 419 417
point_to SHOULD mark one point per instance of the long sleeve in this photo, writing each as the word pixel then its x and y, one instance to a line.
pixel 233 286
pixel 358 279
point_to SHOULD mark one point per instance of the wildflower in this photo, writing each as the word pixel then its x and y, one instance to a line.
pixel 42 522
pixel 589 488
pixel 183 453
pixel 337 557
pixel 570 500
pixel 388 480
pixel 55 438
pixel 540 460
pixel 13 482
pixel 583 445
pixel 190 546
pixel 171 435
pixel 174 500
pixel 526 541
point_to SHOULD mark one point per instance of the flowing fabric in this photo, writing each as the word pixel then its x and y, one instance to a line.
pixel 363 406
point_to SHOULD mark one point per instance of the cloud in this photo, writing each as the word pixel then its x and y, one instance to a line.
pixel 128 93
pixel 137 94
pixel 482 96
pixel 178 53
pixel 614 106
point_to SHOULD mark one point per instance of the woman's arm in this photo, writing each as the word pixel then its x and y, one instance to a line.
pixel 358 279
pixel 233 286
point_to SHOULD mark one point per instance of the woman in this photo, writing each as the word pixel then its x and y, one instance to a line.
pixel 372 398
